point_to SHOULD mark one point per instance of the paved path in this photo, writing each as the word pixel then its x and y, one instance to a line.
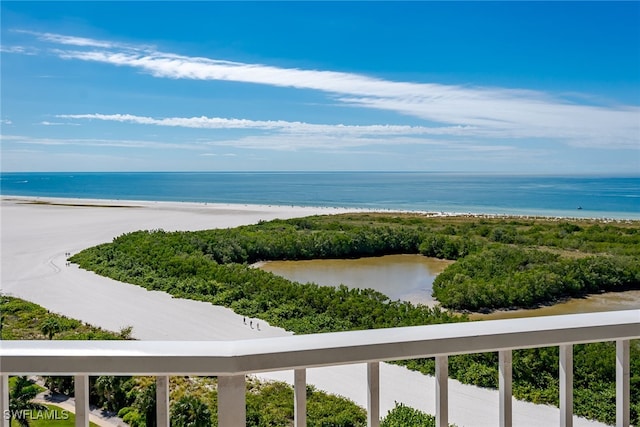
pixel 66 403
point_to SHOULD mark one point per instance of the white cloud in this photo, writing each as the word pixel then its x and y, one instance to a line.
pixel 6 122
pixel 19 49
pixel 327 143
pixel 70 40
pixel 287 141
pixel 281 126
pixel 94 142
pixel 46 123
pixel 218 155
pixel 491 112
pixel 289 136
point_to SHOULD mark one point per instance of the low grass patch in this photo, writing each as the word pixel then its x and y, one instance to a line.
pixel 54 416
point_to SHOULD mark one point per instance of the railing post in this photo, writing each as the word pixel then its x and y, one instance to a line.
pixel 81 396
pixel 442 391
pixel 373 394
pixel 300 398
pixel 4 400
pixel 566 385
pixel 162 401
pixel 232 409
pixel 505 378
pixel 623 376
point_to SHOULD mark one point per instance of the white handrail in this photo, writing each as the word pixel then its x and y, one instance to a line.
pixel 314 350
pixel 232 360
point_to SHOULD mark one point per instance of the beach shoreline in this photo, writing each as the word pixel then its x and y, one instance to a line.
pixel 35 241
pixel 311 210
pixel 38 233
pixel 124 203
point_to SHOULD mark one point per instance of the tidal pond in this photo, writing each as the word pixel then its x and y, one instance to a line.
pixel 410 277
pixel 610 301
pixel 404 277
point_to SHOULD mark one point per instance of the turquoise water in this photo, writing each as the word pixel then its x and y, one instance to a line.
pixel 567 196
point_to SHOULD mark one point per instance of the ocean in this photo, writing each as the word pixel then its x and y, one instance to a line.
pixel 557 196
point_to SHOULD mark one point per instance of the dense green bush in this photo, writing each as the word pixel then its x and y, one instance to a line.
pixel 507 276
pixel 134 397
pixel 500 263
pixel 544 267
pixel 23 320
pixel 404 416
pixel 174 263
pixel 194 400
pixel 189 411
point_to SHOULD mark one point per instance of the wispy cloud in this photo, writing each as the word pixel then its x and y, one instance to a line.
pixel 283 126
pixel 490 111
pixel 71 40
pixel 290 136
pixel 342 144
pixel 218 155
pixel 5 122
pixel 19 49
pixel 95 142
pixel 296 141
pixel 47 123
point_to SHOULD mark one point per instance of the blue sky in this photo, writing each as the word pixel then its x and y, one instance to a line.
pixel 513 87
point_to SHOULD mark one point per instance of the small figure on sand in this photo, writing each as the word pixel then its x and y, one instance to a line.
pixel 258 325
pixel 244 320
pixel 251 323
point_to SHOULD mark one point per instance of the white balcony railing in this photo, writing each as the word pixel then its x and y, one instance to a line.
pixel 232 360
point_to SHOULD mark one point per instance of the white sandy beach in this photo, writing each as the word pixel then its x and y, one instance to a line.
pixel 35 238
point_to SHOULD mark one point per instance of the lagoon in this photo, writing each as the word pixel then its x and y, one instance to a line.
pixel 403 277
pixel 410 278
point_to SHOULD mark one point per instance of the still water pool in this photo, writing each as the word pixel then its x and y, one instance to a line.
pixel 404 277
pixel 410 278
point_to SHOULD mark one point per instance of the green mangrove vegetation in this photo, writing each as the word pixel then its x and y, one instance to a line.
pixel 403 416
pixel 24 320
pixel 501 263
pixel 193 399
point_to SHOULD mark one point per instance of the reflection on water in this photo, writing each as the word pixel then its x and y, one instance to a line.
pixel 404 277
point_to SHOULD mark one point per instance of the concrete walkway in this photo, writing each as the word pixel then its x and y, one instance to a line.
pixel 97 416
pixel 66 403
